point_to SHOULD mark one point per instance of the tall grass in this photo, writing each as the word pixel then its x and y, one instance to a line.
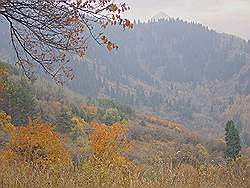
pixel 234 174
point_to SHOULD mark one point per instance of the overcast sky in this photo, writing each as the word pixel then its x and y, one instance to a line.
pixel 230 16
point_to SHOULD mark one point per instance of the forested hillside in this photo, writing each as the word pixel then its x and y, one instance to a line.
pixel 178 70
pixel 50 135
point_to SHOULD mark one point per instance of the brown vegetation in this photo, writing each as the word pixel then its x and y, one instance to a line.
pixel 33 154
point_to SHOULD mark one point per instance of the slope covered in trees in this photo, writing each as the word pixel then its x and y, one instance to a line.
pixel 73 141
pixel 178 70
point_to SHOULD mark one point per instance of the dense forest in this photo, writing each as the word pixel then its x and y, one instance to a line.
pixel 179 70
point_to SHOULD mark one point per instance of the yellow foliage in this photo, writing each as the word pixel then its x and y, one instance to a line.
pixel 2 74
pixel 79 124
pixel 36 144
pixel 107 166
pixel 112 8
pixel 4 119
pixel 109 143
pixel 171 125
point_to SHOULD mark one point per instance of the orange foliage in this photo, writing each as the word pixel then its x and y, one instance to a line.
pixel 109 143
pixel 113 17
pixel 35 144
pixel 172 125
pixel 166 123
pixel 112 8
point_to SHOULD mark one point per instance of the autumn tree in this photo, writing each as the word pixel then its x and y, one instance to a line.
pixel 36 144
pixel 109 143
pixel 50 32
pixel 232 138
pixel 108 161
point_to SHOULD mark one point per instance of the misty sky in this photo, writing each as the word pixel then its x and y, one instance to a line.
pixel 230 16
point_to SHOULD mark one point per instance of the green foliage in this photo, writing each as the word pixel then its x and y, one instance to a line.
pixel 105 111
pixel 88 116
pixel 112 116
pixel 124 111
pixel 63 122
pixel 19 102
pixel 233 146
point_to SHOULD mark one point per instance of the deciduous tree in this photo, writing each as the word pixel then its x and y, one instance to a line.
pixel 36 144
pixel 109 143
pixel 49 32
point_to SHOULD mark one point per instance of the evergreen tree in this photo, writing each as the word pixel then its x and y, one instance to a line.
pixel 232 138
pixel 63 122
pixel 19 102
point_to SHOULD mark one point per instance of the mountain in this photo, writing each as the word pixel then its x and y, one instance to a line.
pixel 172 68
pixel 159 16
pixel 175 69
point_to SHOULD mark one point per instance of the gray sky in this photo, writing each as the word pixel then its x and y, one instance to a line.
pixel 230 16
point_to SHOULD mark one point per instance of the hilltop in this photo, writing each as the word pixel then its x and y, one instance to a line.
pixel 180 70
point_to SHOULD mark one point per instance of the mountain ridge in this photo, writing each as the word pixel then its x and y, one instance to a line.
pixel 160 15
pixel 180 71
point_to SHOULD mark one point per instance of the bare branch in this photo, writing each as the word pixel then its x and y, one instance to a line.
pixel 49 32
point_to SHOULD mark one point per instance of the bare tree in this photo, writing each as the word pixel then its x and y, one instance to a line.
pixel 49 32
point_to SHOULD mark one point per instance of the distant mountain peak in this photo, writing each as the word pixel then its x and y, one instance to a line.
pixel 159 16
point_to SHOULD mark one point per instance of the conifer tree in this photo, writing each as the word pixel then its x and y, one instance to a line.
pixel 232 138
